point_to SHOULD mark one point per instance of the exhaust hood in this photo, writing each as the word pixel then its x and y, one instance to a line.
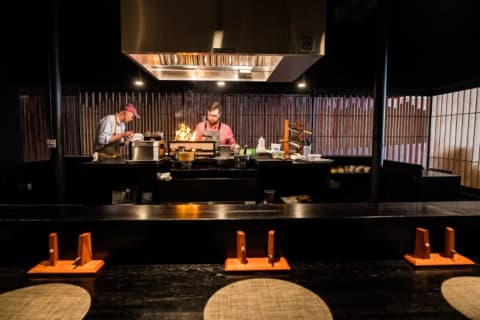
pixel 224 40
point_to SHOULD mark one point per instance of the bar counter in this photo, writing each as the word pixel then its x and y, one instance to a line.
pixel 166 261
pixel 201 233
pixel 373 290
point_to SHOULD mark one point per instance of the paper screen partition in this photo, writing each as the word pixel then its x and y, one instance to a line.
pixel 455 141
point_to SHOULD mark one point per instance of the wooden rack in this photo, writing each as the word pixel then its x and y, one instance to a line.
pixel 244 263
pixel 83 264
pixel 294 135
pixel 422 257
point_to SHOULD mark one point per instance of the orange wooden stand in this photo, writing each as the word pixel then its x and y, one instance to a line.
pixel 268 263
pixel 286 139
pixel 423 258
pixel 83 264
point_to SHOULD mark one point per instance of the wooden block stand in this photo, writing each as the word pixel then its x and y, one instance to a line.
pixel 423 258
pixel 268 263
pixel 83 264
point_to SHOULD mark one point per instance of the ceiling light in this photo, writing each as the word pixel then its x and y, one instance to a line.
pixel 138 83
pixel 301 85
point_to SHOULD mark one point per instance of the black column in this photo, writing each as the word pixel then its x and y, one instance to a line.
pixel 56 100
pixel 380 97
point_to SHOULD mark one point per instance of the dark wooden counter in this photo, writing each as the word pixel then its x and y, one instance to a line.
pixel 204 182
pixel 165 261
pixel 188 233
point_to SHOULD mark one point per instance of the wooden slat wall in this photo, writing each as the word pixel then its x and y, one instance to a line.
pixel 343 126
pixel 407 129
pixel 159 112
pixel 34 123
pixel 72 125
pixel 455 144
pixel 253 116
pixel 250 116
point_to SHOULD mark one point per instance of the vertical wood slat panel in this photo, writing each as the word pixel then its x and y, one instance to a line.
pixel 438 108
pixel 432 162
pixel 475 136
pixel 443 133
pixel 34 126
pixel 476 144
pixel 406 130
pixel 457 114
pixel 340 124
pixel 166 112
pixel 467 172
pixel 453 130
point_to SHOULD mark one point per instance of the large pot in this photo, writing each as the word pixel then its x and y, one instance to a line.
pixel 146 150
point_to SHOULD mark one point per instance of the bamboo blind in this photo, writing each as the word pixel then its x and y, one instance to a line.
pixel 455 144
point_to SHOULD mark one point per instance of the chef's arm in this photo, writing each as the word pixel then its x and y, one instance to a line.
pixel 193 136
pixel 105 136
pixel 119 136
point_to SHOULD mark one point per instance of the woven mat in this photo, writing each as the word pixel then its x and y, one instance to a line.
pixel 45 301
pixel 463 293
pixel 265 299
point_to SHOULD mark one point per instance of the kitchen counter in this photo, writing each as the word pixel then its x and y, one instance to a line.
pixel 205 181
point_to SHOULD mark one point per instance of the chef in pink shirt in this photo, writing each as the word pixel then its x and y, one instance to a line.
pixel 213 129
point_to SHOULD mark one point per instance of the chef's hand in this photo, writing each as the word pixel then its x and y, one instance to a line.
pixel 128 134
pixel 235 147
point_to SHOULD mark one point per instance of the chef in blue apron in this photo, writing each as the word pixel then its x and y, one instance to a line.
pixel 213 129
pixel 111 131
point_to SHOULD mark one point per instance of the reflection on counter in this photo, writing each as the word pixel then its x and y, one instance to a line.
pixel 350 169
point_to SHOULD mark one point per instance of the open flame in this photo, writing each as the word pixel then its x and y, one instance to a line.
pixel 183 133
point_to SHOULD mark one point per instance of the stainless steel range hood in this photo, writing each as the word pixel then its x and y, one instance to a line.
pixel 224 40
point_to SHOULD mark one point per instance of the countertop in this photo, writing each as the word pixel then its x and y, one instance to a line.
pixel 376 289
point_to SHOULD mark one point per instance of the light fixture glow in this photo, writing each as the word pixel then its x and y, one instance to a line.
pixel 245 70
pixel 221 83
pixel 138 83
pixel 217 41
pixel 301 85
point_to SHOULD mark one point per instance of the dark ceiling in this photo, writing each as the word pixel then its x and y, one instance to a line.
pixel 432 44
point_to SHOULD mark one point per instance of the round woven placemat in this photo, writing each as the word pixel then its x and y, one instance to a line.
pixel 463 293
pixel 45 301
pixel 265 299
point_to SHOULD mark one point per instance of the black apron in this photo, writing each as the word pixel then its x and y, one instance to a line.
pixel 211 135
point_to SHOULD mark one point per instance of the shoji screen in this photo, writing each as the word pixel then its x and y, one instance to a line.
pixel 455 144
